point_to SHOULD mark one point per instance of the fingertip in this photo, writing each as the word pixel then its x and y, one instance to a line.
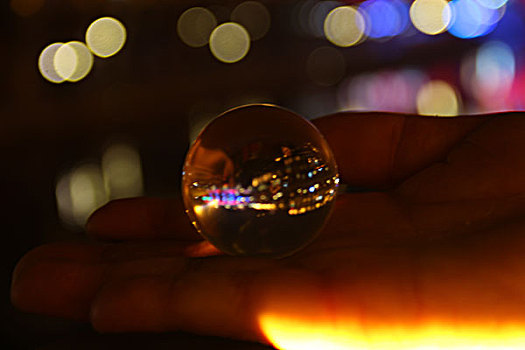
pixel 56 288
pixel 16 291
pixel 103 221
pixel 92 224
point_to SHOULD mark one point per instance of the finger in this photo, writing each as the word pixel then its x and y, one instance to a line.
pixel 223 303
pixel 359 219
pixel 62 279
pixel 142 218
pixel 58 279
pixel 377 150
pixel 487 164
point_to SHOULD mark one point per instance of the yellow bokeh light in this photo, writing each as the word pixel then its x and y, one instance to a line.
pixel 288 333
pixel 106 36
pixel 46 64
pixel 254 16
pixel 437 98
pixel 122 170
pixel 229 42
pixel 73 61
pixel 26 8
pixel 80 192
pixel 195 26
pixel 344 26
pixel 430 16
pixel 64 202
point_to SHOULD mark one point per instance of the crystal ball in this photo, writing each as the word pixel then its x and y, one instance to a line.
pixel 259 180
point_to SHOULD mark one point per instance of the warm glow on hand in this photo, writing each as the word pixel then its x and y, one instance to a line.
pixel 296 333
pixel 432 261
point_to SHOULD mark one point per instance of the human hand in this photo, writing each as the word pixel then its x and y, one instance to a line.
pixel 433 257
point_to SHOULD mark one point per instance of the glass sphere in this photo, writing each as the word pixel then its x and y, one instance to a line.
pixel 259 180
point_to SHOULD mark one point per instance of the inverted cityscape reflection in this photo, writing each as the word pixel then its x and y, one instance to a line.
pixel 259 180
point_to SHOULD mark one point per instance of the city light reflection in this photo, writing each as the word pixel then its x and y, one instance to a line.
pixel 275 189
pixel 252 187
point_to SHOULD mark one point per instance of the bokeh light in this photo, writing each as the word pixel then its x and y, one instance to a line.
pixel 495 66
pixel 384 18
pixel 392 91
pixel 46 63
pixel 253 16
pixel 437 98
pixel 26 8
pixel 122 171
pixel 73 61
pixel 317 15
pixel 489 75
pixel 195 26
pixel 344 26
pixel 79 193
pixel 229 42
pixel 301 16
pixel 106 36
pixel 326 65
pixel 493 4
pixel 470 19
pixel 431 17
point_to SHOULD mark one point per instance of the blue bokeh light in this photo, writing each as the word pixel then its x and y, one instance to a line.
pixel 492 4
pixel 495 63
pixel 385 18
pixel 471 20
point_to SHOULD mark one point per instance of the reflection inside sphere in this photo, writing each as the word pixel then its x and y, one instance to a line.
pixel 259 180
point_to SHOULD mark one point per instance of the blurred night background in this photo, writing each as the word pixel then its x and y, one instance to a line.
pixel 109 112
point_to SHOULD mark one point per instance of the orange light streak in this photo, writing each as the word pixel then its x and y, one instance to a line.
pixel 291 333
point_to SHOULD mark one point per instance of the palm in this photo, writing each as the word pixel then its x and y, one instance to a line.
pixel 438 243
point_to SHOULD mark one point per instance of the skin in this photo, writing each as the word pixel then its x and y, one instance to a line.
pixel 440 241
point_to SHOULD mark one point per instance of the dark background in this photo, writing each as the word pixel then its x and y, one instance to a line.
pixel 155 92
